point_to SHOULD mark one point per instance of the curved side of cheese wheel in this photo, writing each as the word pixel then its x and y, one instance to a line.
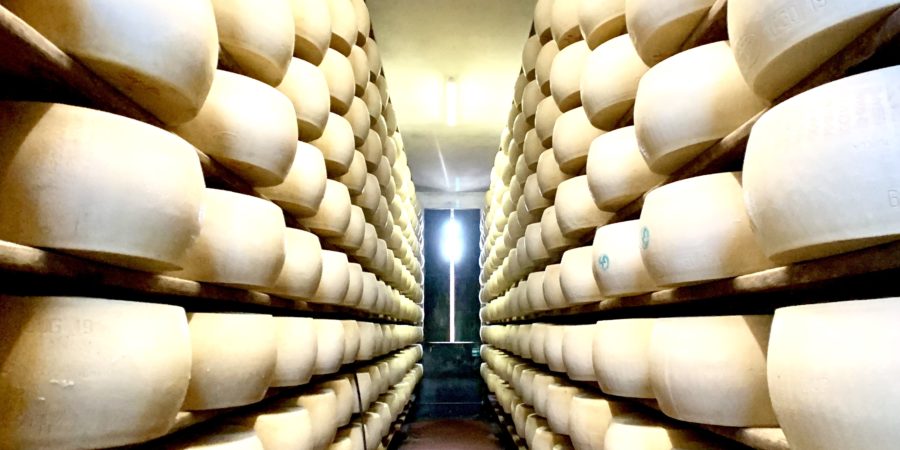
pixel 775 58
pixel 536 342
pixel 545 439
pixel 170 80
pixel 600 21
pixel 609 82
pixel 295 339
pixel 366 252
pixel 259 36
pixel 554 240
pixel 343 25
pixel 312 29
pixel 543 14
pixel 572 137
pixel 286 427
pixel 616 261
pixel 302 190
pixel 225 252
pixel 543 65
pixel 352 239
pixel 226 437
pixel 545 118
pixel 247 126
pixel 363 21
pixel 532 97
pixel 576 212
pixel 553 347
pixel 330 343
pixel 230 369
pixel 852 406
pixel 355 177
pixel 340 78
pixel 305 85
pixel 360 63
pixel 375 63
pixel 712 97
pixel 564 23
pixel 577 282
pixel 696 230
pixel 345 396
pixel 373 101
pixel 822 217
pixel 534 244
pixel 565 75
pixel 124 365
pixel 633 431
pixel 302 267
pixel 335 280
pixel 370 195
pixel 559 403
pixel 549 175
pixel 59 156
pixel 322 406
pixel 589 418
pixel 532 149
pixel 535 293
pixel 712 370
pixel 577 354
pixel 534 423
pixel 659 27
pixel 529 56
pixel 617 172
pixel 333 217
pixel 621 357
pixel 358 118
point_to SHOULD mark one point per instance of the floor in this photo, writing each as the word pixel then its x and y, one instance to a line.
pixel 451 434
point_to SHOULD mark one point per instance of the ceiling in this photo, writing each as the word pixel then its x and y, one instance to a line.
pixel 477 43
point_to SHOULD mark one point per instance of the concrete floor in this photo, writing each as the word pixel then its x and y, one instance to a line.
pixel 451 434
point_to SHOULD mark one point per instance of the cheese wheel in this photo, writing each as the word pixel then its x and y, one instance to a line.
pixel 383 173
pixel 301 192
pixel 544 63
pixel 312 29
pixel 345 396
pixel 565 74
pixel 247 126
pixel 616 261
pixel 321 403
pixel 373 102
pixel 549 174
pixel 355 178
pixel 546 439
pixel 658 28
pixel 305 85
pixel 601 20
pixel 340 78
pixel 337 145
pixel 363 21
pixel 543 12
pixel 535 202
pixel 577 285
pixel 532 97
pixel 533 423
pixel 230 368
pixel 343 25
pixel 564 22
pixel 617 173
pixel 335 281
pixel 554 241
pixel 577 353
pixel 542 382
pixel 575 209
pixel 777 43
pixel 258 36
pixel 852 407
pixel 536 341
pixel 170 79
pixel 354 287
pixel 374 54
pixel 696 230
pixel 545 119
pixel 329 346
pixel 68 354
pixel 333 217
pixel 241 242
pixel 220 438
pixel 282 428
pixel 352 239
pixel 572 137
pixel 534 245
pixel 589 418
pixel 689 102
pixel 712 370
pixel 534 293
pixel 302 268
pixel 635 431
pixel 127 214
pixel 358 118
pixel 529 55
pixel 295 340
pixel 532 149
pixel 366 332
pixel 621 357
pixel 609 82
pixel 360 63
pixel 370 195
pixel 366 253
pixel 553 346
pixel 839 200
pixel 521 413
pixel 559 403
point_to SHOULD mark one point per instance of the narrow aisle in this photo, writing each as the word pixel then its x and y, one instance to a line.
pixel 451 434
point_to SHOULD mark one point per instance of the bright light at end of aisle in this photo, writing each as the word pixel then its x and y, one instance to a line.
pixel 451 240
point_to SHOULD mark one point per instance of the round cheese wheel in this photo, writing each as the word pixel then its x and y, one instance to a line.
pixel 363 21
pixel 616 261
pixel 354 288
pixel 373 101
pixel 374 54
pixel 366 252
pixel 337 145
pixel 575 209
pixel 355 178
pixel 617 172
pixel 369 197
pixel 247 126
pixel 343 25
pixel 258 36
pixel 778 43
pixel 352 239
pixel 383 173
pixel 532 97
pixel 577 354
pixel 712 370
pixel 546 439
pixel 301 192
pixel 322 405
pixel 565 74
pixel 572 137
pixel 689 102
pixel 230 368
pixel 534 293
pixel 335 281
pixel 519 87
pixel 333 217
pixel 520 414
pixel 536 340
pixel 621 357
pixel 659 27
pixel 543 65
pixel 635 431
pixel 534 245
pixel 601 20
pixel 564 22
pixel 226 437
pixel 305 85
pixel 312 29
pixel 542 382
pixel 852 407
pixel 225 252
pixel 577 283
pixel 88 182
pixel 529 55
pixel 330 343
pixel 366 331
pixel 559 403
pixel 358 118
pixel 281 428
pixel 535 202
pixel 553 346
pixel 532 149
pixel 609 82
pixel 554 241
pixel 533 423
pixel 345 396
pixel 302 269
pixel 545 119
pixel 697 229
pixel 549 174
pixel 589 418
pixel 360 63
pixel 170 79
pixel 295 339
pixel 64 355
pixel 839 200
pixel 340 78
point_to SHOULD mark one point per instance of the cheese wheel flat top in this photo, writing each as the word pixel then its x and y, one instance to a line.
pixel 634 430
pixel 617 172
pixel 576 212
pixel 302 190
pixel 609 81
pixel 601 20
pixel 226 437
pixel 312 29
pixel 566 72
pixel 295 338
pixel 659 27
pixel 258 36
pixel 572 137
pixel 616 260
pixel 305 85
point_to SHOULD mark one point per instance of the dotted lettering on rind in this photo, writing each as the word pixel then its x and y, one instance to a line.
pixel 603 262
pixel 645 237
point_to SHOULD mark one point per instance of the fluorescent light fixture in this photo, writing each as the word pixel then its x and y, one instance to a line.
pixel 451 99
pixel 451 240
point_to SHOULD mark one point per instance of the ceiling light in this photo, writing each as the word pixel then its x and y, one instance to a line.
pixel 451 98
